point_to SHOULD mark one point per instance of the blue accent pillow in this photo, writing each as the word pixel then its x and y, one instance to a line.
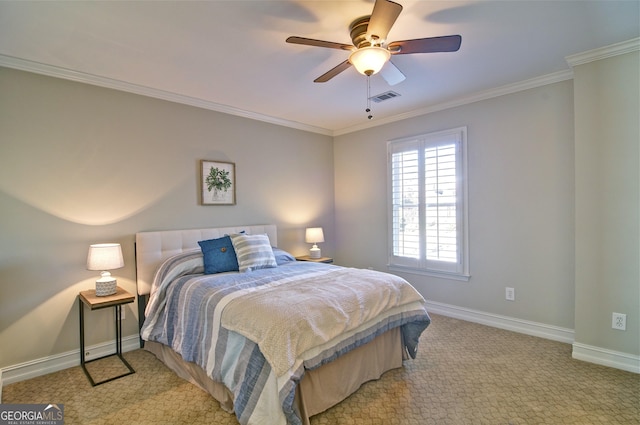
pixel 282 256
pixel 219 255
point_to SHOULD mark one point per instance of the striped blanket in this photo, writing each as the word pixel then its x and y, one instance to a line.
pixel 238 326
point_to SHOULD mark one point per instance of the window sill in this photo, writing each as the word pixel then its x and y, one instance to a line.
pixel 431 273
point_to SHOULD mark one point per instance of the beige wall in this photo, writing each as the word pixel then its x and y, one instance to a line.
pixel 520 158
pixel 607 121
pixel 81 164
pixel 555 216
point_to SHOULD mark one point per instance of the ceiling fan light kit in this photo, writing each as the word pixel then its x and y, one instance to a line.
pixel 369 60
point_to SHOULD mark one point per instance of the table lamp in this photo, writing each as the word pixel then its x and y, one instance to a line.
pixel 105 256
pixel 314 235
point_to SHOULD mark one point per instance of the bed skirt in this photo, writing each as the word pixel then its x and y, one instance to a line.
pixel 320 388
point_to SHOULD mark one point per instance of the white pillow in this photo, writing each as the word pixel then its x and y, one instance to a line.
pixel 253 252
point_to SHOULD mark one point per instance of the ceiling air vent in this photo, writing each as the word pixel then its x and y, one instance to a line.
pixel 384 96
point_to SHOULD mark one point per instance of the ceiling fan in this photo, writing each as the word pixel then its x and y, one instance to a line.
pixel 370 52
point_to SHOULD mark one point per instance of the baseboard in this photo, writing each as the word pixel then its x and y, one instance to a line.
pixel 50 364
pixel 591 354
pixel 605 357
pixel 541 330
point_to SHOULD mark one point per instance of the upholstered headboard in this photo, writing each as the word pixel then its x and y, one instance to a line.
pixel 152 248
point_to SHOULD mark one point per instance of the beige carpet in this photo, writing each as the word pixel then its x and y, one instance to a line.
pixel 465 373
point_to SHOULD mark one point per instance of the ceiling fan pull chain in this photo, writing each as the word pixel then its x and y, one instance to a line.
pixel 368 110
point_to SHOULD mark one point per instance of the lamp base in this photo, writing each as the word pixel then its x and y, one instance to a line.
pixel 315 252
pixel 105 287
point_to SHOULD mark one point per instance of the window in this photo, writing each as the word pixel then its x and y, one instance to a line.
pixel 428 204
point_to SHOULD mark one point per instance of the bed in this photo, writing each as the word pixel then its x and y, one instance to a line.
pixel 229 330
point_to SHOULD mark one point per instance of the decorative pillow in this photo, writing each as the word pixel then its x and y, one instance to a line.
pixel 282 256
pixel 219 255
pixel 253 252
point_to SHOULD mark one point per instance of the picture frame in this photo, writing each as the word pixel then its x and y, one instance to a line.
pixel 217 182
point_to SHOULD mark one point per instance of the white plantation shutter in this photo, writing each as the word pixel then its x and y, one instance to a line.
pixel 406 200
pixel 440 203
pixel 427 189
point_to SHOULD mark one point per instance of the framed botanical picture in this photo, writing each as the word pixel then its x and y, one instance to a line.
pixel 218 183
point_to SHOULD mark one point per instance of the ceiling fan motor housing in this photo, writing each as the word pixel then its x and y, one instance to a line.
pixel 358 31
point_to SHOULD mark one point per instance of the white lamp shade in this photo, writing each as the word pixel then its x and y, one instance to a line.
pixel 105 256
pixel 369 60
pixel 314 235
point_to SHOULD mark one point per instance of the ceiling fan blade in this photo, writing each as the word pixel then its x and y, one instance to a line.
pixel 332 72
pixel 391 74
pixel 383 17
pixel 319 43
pixel 447 43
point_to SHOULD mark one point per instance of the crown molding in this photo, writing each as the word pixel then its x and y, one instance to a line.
pixel 82 77
pixel 572 60
pixel 604 52
pixel 475 97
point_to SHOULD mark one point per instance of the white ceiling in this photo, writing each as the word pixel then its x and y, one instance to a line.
pixel 232 55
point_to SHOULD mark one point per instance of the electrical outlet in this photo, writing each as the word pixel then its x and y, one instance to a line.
pixel 619 321
pixel 510 294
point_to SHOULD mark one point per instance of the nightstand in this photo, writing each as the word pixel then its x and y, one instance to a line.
pixel 327 260
pixel 94 302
